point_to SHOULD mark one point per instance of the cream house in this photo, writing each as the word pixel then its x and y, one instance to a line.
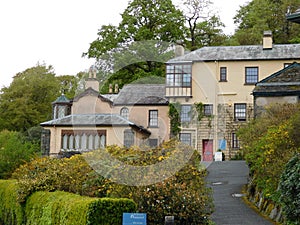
pixel 220 80
pixel 137 115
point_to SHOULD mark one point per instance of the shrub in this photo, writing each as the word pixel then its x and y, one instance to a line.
pixel 50 174
pixel 14 151
pixel 183 195
pixel 61 208
pixel 11 212
pixel 290 190
pixel 268 144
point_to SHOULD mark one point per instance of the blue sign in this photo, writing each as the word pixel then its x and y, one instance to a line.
pixel 222 144
pixel 134 219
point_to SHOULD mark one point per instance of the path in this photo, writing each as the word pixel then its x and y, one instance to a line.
pixel 227 179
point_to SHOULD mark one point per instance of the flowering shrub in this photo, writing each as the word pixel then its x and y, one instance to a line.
pixel 50 174
pixel 183 195
pixel 268 144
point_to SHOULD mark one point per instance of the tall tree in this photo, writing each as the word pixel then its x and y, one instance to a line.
pixel 260 15
pixel 202 28
pixel 140 44
pixel 27 101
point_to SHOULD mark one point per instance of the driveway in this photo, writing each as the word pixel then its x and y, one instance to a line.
pixel 227 179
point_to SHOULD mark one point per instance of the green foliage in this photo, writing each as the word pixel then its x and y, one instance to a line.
pixel 268 144
pixel 68 209
pixel 290 190
pixel 183 194
pixel 174 115
pixel 27 101
pixel 140 44
pixel 11 212
pixel 109 210
pixel 258 16
pixel 50 174
pixel 15 150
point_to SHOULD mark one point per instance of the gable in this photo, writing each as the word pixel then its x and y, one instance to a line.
pixel 91 102
pixel 283 82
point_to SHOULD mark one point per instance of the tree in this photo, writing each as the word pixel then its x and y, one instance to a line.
pixel 140 44
pixel 202 29
pixel 261 15
pixel 27 101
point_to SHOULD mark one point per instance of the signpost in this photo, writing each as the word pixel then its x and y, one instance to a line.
pixel 134 219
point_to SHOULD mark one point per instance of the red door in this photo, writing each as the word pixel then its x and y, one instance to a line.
pixel 207 146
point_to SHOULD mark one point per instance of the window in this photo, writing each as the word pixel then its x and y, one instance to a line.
pixel 153 142
pixel 82 140
pixel 185 114
pixel 128 138
pixel 208 109
pixel 235 141
pixel 251 75
pixel 153 118
pixel 223 74
pixel 186 138
pixel 240 111
pixel 179 75
pixel 125 113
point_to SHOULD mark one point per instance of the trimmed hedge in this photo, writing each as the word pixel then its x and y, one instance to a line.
pixel 11 211
pixel 59 208
pixel 68 209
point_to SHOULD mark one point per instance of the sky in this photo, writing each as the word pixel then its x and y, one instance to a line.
pixel 57 32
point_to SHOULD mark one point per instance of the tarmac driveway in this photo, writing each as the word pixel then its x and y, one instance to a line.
pixel 227 179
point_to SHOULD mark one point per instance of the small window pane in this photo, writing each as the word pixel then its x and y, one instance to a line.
pixel 125 113
pixel 251 75
pixel 223 74
pixel 240 111
pixel 208 109
pixel 128 138
pixel 186 138
pixel 153 118
pixel 185 114
pixel 235 141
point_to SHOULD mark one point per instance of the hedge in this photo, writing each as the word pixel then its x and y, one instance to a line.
pixel 64 208
pixel 59 208
pixel 11 211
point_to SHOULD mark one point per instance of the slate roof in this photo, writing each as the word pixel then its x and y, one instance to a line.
pixel 61 99
pixel 92 92
pixel 282 83
pixel 294 17
pixel 94 120
pixel 142 94
pixel 244 52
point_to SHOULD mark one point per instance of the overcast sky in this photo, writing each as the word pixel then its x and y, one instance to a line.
pixel 57 32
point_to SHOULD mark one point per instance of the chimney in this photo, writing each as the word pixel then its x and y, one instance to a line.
pixel 91 81
pixel 267 40
pixel 116 88
pixel 110 89
pixel 179 49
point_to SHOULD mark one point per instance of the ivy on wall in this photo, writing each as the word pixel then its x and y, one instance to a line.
pixel 174 115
